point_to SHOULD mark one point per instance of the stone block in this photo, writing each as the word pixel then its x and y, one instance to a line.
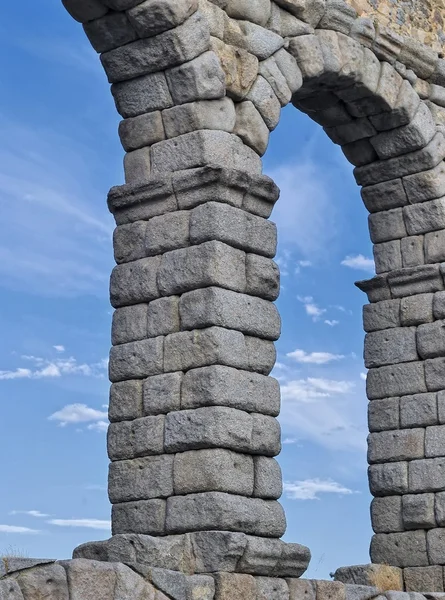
pixel 204 347
pixel 406 549
pixel 136 360
pixel 406 139
pixel 137 438
pixel 293 562
pixel 152 17
pixel 390 346
pixel 204 147
pixel 310 12
pixel 48 581
pixel 142 95
pixel 351 132
pixel 92 551
pixel 200 587
pixel 240 68
pixel 436 546
pixel 265 101
pixel 386 514
pixel 404 109
pixel 384 414
pixel 215 470
pixel 384 196
pixel 137 166
pixel 226 512
pixel 419 410
pixel 200 79
pixel 251 128
pixel 216 551
pixel 268 478
pixel 439 305
pixel 260 198
pixel 125 401
pixel 231 586
pixel 387 256
pixel 209 427
pixel 434 246
pixel 338 16
pixel 204 114
pixel 168 552
pixel 426 185
pixel 162 393
pixel 135 282
pixel 129 324
pixel 330 590
pixel 435 441
pixel 418 57
pixel 416 280
pixel 302 588
pixel 435 374
pixel 218 307
pixel 393 446
pixel 412 251
pixel 423 578
pixel 384 87
pixel 143 517
pixel 383 577
pixel 439 508
pixel 359 153
pixel 257 13
pixel 157 53
pixel 387 225
pixel 141 479
pixel 85 10
pixel 426 475
pixel 376 288
pixel 163 316
pixel 224 386
pixel 381 315
pixel 90 580
pixel 431 339
pixel 271 72
pixel 263 277
pixel 131 585
pixel 416 310
pixel 418 511
pixel 441 406
pixel 110 31
pixel 129 242
pixel 425 217
pixel 261 355
pixel 266 435
pixel 233 226
pixel 260 41
pixel 167 232
pixel 396 380
pixel 261 556
pixel 388 479
pixel 271 588
pixel 209 264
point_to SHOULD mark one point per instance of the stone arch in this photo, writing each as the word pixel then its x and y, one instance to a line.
pixel 200 85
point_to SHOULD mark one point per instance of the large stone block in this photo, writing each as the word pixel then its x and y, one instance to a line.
pixel 396 380
pixel 387 225
pixel 419 410
pixel 129 324
pixel 439 305
pixel 434 247
pixel 263 277
pixel 10 590
pixel 213 306
pixel 140 437
pixel 431 339
pixel 384 196
pixel 215 470
pixel 143 517
pixel 260 41
pixel 258 12
pixel 381 315
pixel 439 508
pixel 137 360
pixel 129 242
pixel 230 586
pixel 427 475
pixel 211 263
pixel 390 346
pixel 163 317
pixel 261 355
pixel 226 512
pixel 386 514
pixel 233 226
pixel 265 101
pixel 388 479
pixel 217 550
pixel 387 256
pixel 406 549
pixel 49 582
pixel 90 580
pixel 141 479
pixel 204 147
pixel 418 309
pixel 240 68
pixel 137 166
pixel 384 414
pixel 426 185
pixel 423 578
pixel 271 588
pixel 110 31
pixel 125 401
pixel 167 232
pixel 85 10
pixel 261 556
pixel 330 589
pixel 152 17
pixel 435 441
pixel 204 114
pixel 224 386
pixel 163 51
pixel 418 511
pixel 394 446
pixel 135 282
pixel 131 585
pixel 382 577
pixel 416 280
pixel 142 95
pixel 436 546
pixel 412 251
pixel 200 79
pixel 251 128
pixel 268 478
pixel 162 393
pixel 168 552
pixel 435 374
pixel 425 216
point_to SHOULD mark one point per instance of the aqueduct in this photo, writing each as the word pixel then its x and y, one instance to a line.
pixel 200 85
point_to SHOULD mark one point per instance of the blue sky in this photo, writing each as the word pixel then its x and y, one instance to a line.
pixel 59 155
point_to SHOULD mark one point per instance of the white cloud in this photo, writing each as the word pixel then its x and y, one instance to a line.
pixel 360 263
pixel 331 323
pixel 17 374
pixel 46 368
pixel 312 388
pixel 289 441
pixel 15 529
pixel 312 310
pixel 30 513
pixel 363 376
pixel 315 358
pixel 59 348
pixel 77 413
pixel 309 489
pixel 100 426
pixel 87 523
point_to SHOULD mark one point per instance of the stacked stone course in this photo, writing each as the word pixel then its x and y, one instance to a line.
pixel 200 85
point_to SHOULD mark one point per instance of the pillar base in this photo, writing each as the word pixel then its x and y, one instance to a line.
pixel 201 552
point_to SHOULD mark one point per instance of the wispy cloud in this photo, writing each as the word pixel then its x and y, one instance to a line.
pixel 100 426
pixel 315 358
pixel 30 513
pixel 84 523
pixel 59 348
pixel 16 529
pixel 78 413
pixel 312 310
pixel 359 262
pixel 312 388
pixel 44 368
pixel 331 323
pixel 310 489
pixel 363 376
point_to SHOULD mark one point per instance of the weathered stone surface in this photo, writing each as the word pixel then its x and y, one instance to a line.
pixel 263 277
pixel 200 79
pixel 137 360
pixel 386 514
pixel 416 280
pixel 152 17
pixel 137 166
pixel 131 585
pixel 223 308
pixel 227 512
pixel 85 10
pixel 426 185
pixel 257 12
pixel 384 414
pixel 439 305
pixel 393 446
pixel 418 511
pixel 398 380
pixel 235 587
pixel 381 315
pixel 140 437
pixel 415 310
pixel 431 339
pixel 388 225
pixel 425 217
pixel 168 552
pixel 384 196
pixel 204 114
pixel 163 316
pixel 269 588
pixel 272 74
pixel 142 517
pixel 265 101
pixel 405 549
pixel 110 31
pixel 419 410
pixel 261 555
pixel 435 374
pixel 141 479
pixel 310 11
pixel 251 128
pixel 387 256
pixel 240 68
pixel 439 508
pixel 167 232
pixel 215 470
pixel 423 578
pixel 330 589
pixel 135 282
pixel 261 355
pixel 49 582
pixel 90 580
pixel 161 393
pixel 144 130
pixel 260 41
pixel 142 95
pixel 217 550
pixel 129 242
pixel 384 577
pixel 390 346
pixel 436 546
pixel 426 475
pixel 302 588
pixel 268 478
pixel 412 251
pixel 10 590
pixel 388 479
pixel 435 441
pixel 125 401
pixel 129 324
pixel 434 247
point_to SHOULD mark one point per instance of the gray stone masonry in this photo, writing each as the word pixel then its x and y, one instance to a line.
pixel 193 438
